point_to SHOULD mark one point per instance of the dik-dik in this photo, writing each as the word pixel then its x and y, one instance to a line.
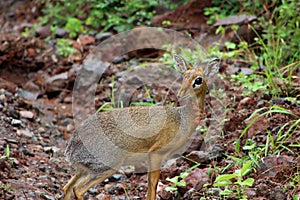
pixel 105 140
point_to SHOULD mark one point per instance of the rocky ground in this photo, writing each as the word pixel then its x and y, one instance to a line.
pixel 36 120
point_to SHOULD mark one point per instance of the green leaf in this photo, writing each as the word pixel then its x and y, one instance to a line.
pixel 225 177
pixel 246 168
pixel 222 183
pixel 171 189
pixel 181 183
pixel 230 45
pixel 7 151
pixel 173 180
pixel 247 182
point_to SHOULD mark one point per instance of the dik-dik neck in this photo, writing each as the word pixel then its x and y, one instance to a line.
pixel 191 110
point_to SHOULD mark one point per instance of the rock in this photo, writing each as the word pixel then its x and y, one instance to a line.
pixel 246 102
pixel 250 193
pixel 198 156
pixel 216 153
pixel 103 36
pixel 196 179
pixel 26 152
pixel 277 194
pixel 26 114
pixel 92 191
pixel 128 170
pixel 118 60
pixel 27 94
pixel 48 197
pixel 52 149
pixel 7 85
pixel 60 33
pixel 86 39
pixel 12 112
pixel 41 130
pixel 25 132
pixel 235 19
pixel 260 104
pixel 31 52
pixel 116 177
pixel 16 122
pixel 43 32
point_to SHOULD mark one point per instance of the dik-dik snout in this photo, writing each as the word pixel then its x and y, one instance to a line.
pixel 92 159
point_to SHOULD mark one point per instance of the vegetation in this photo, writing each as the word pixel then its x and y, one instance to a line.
pixel 274 59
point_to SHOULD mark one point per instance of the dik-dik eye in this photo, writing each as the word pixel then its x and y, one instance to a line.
pixel 197 82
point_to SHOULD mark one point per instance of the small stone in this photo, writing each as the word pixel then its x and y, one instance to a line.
pixel 26 114
pixel 16 122
pixel 260 104
pixel 86 39
pixel 2 97
pixel 277 194
pixel 41 130
pixel 70 128
pixel 198 156
pixel 60 33
pixel 25 132
pixel 116 177
pixel 128 171
pixel 47 197
pixel 216 153
pixel 31 52
pixel 103 36
pixel 92 191
pixel 27 152
pixel 118 60
pixel 121 197
pixel 43 32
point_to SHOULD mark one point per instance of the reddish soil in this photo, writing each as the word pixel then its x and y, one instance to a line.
pixel 36 168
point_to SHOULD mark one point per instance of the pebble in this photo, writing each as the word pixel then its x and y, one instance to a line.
pixel 60 33
pixel 115 177
pixel 41 130
pixel 25 132
pixel 16 122
pixel 92 191
pixel 26 114
pixel 103 36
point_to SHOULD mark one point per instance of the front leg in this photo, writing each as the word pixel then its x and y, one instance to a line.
pixel 153 175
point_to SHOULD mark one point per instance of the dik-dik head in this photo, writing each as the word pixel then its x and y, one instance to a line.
pixel 195 78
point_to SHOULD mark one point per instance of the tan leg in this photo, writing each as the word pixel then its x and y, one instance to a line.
pixel 153 175
pixel 89 182
pixel 68 188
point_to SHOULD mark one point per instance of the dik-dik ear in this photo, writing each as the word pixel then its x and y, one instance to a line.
pixel 181 64
pixel 212 67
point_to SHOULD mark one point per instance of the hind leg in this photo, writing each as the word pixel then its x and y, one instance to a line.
pixel 89 181
pixel 68 188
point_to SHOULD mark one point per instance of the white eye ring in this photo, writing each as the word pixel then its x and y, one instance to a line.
pixel 197 81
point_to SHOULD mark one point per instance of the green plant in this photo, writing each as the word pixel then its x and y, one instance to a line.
pixel 7 155
pixel 251 83
pixel 235 182
pixel 74 26
pixel 280 45
pixel 92 16
pixel 177 181
pixel 285 134
pixel 112 104
pixel 221 9
pixel 65 47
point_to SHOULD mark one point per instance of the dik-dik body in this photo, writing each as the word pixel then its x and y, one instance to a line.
pixel 107 139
